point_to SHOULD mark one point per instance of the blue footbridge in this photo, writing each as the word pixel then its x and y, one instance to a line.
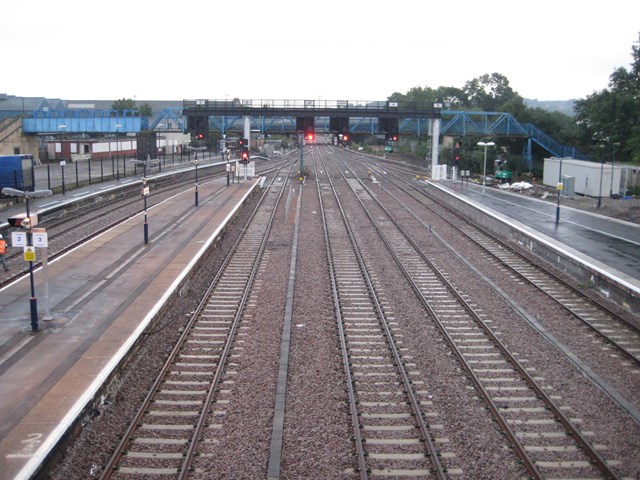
pixel 453 123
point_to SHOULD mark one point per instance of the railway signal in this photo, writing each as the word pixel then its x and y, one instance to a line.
pixel 343 139
pixel 309 134
pixel 244 157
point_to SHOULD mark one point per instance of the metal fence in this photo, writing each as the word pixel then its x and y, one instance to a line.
pixel 68 175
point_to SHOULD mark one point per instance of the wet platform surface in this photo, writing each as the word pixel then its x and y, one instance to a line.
pixel 613 243
pixel 102 295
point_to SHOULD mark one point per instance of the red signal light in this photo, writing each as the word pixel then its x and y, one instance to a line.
pixel 345 138
pixel 310 136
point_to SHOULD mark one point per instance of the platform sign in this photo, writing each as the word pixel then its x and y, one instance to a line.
pixel 29 254
pixel 145 192
pixel 19 239
pixel 40 239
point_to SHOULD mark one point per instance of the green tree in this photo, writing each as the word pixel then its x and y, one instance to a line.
pixel 145 110
pixel 491 93
pixel 561 126
pixel 612 115
pixel 451 97
pixel 124 104
pixel 415 95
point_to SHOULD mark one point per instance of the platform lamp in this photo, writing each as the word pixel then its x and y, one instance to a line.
pixel 599 204
pixel 61 129
pixel 613 159
pixel 559 189
pixel 118 126
pixel 12 192
pixel 196 164
pixel 484 168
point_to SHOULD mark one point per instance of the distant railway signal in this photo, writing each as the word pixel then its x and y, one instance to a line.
pixel 457 154
pixel 244 156
pixel 309 133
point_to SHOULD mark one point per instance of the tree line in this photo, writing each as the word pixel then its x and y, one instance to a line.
pixel 606 122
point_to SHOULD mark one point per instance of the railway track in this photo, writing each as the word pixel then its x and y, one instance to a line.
pixel 612 328
pixel 70 228
pixel 180 410
pixel 547 441
pixel 396 428
pixel 617 335
pixel 388 409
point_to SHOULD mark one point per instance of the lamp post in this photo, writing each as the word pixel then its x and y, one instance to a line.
pixel 118 149
pixel 61 128
pixel 145 193
pixel 559 191
pixel 223 154
pixel 33 302
pixel 196 162
pixel 301 142
pixel 484 168
pixel 599 204
pixel 613 158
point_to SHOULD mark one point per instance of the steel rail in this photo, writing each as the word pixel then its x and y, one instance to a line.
pixel 353 409
pixel 590 451
pixel 432 451
pixel 108 470
pixel 615 317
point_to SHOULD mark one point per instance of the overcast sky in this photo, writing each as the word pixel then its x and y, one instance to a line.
pixel 294 49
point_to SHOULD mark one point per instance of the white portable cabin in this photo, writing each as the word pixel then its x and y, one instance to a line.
pixel 587 176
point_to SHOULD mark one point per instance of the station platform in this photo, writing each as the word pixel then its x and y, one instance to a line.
pixel 102 295
pixel 608 245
